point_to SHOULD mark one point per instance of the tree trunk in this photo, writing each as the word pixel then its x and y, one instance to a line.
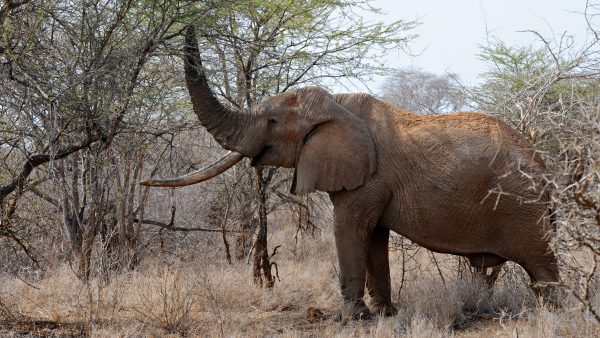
pixel 128 230
pixel 262 266
pixel 83 207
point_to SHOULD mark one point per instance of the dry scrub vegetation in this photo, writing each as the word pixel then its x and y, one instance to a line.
pixel 208 297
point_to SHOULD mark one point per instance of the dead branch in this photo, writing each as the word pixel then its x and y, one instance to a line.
pixel 39 159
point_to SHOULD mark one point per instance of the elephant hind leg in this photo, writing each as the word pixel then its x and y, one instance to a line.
pixel 481 263
pixel 545 278
pixel 489 279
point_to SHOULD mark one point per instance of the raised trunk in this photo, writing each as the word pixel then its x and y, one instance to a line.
pixel 223 123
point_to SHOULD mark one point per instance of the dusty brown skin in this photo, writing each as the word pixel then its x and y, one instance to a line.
pixel 461 183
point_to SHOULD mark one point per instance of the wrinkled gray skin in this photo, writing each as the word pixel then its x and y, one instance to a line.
pixel 459 183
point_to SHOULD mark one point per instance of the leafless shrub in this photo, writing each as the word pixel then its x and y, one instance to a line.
pixel 166 302
pixel 422 92
pixel 5 312
pixel 550 92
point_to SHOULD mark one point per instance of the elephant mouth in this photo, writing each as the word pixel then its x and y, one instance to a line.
pixel 256 159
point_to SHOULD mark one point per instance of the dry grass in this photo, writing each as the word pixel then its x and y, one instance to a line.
pixel 211 298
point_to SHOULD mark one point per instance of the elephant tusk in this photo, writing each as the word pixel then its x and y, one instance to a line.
pixel 217 167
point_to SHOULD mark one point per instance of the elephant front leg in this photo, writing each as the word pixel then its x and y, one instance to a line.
pixel 356 214
pixel 352 258
pixel 378 272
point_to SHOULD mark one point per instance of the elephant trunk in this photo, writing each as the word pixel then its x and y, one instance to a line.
pixel 223 123
pixel 224 163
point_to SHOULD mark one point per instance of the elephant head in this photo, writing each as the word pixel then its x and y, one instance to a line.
pixel 330 147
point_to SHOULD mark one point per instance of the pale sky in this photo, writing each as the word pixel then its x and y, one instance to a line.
pixel 452 30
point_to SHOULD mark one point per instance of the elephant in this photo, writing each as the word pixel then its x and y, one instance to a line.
pixel 463 183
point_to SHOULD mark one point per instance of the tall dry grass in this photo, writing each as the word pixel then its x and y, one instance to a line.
pixel 206 296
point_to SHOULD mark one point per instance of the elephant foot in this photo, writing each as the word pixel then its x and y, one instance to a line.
pixel 387 310
pixel 353 311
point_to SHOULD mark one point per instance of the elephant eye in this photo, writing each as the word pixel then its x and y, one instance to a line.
pixel 272 121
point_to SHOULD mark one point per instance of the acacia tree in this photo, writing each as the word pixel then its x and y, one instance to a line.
pixel 78 78
pixel 254 49
pixel 90 91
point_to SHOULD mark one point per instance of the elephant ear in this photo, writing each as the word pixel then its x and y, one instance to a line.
pixel 337 154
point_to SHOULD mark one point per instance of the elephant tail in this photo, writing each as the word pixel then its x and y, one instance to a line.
pixel 551 212
pixel 552 219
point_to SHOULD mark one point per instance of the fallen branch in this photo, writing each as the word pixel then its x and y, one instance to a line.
pixel 174 228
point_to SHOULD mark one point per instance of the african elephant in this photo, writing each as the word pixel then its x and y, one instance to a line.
pixel 462 183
